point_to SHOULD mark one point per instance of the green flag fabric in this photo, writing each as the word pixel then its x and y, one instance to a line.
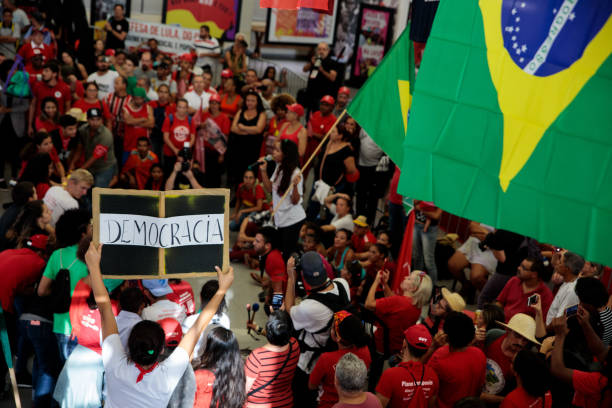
pixel 381 105
pixel 511 122
pixel 4 340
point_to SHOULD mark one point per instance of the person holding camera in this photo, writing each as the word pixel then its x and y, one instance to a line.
pixel 271 262
pixel 322 75
pixel 184 176
pixel 177 129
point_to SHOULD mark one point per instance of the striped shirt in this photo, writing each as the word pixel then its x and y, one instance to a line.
pixel 263 364
pixel 115 104
pixel 605 316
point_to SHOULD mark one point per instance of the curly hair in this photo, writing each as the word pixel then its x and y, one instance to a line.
pixel 281 101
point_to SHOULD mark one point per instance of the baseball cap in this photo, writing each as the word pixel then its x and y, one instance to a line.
pixel 227 73
pixel 186 57
pixel 173 331
pixel 215 98
pixel 38 241
pixel 158 287
pixel 139 92
pixel 94 113
pixel 296 108
pixel 344 90
pixel 418 336
pixel 313 270
pixel 328 99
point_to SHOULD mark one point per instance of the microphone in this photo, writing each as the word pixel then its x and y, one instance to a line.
pixel 255 165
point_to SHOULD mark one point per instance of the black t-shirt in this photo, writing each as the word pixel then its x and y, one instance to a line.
pixel 423 14
pixel 63 152
pixel 319 85
pixel 121 26
pixel 333 167
pixel 512 245
pixel 182 183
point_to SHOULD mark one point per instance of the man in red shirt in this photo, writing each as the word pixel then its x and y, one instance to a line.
pixel 320 123
pixel 51 86
pixel 362 238
pixel 135 171
pixel 529 281
pixel 271 262
pixel 34 47
pixel 138 118
pixel 461 368
pixel 399 385
pixel 178 128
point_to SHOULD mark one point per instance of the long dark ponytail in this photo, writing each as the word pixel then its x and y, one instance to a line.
pixel 291 160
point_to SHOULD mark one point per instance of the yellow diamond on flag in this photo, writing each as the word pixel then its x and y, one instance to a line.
pixel 405 100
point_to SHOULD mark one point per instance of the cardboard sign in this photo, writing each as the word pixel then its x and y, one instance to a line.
pixel 161 234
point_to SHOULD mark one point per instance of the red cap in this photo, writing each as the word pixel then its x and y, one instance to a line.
pixel 38 241
pixel 418 336
pixel 328 99
pixel 215 97
pixel 344 90
pixel 109 53
pixel 296 108
pixel 227 73
pixel 173 331
pixel 186 57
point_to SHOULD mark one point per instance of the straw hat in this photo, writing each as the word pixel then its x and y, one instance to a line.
pixel 361 221
pixel 523 325
pixel 454 300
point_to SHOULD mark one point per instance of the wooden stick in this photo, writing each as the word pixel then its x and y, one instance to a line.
pixel 305 166
pixel 15 388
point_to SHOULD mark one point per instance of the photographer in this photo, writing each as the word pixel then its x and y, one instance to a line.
pixel 271 262
pixel 184 176
pixel 322 75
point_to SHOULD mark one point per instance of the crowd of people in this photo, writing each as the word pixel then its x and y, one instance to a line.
pixel 347 326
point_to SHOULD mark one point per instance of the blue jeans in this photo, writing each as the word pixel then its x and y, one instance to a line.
pixel 104 177
pixel 424 250
pixel 66 345
pixel 46 360
pixel 235 225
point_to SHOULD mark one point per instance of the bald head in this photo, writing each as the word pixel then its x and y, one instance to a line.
pixel 323 50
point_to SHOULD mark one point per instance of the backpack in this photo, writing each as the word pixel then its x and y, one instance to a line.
pixel 18 80
pixel 333 302
pixel 418 399
pixel 60 289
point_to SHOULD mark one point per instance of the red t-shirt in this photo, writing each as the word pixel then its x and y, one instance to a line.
pixel 86 322
pixel 398 385
pixel 133 133
pixel 397 313
pixel 275 268
pixel 499 367
pixel 588 387
pixel 320 124
pixel 44 125
pixel 204 388
pixel 180 132
pixel 20 268
pixel 183 296
pixel 359 243
pixel 221 120
pixel 514 299
pixel 461 373
pixel 141 167
pixel 324 373
pixel 28 52
pixel 262 365
pixel 520 399
pixel 249 196
pixel 85 106
pixel 61 92
pixel 41 189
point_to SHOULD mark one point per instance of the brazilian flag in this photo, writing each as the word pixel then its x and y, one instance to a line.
pixel 511 122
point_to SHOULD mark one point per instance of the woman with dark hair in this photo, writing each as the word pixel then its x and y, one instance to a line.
pixel 270 369
pixel 136 378
pixel 286 180
pixel 231 101
pixel 48 120
pixel 68 60
pixel 293 129
pixel 533 382
pixel 43 144
pixel 91 100
pixel 156 181
pixel 220 375
pixel 34 218
pixel 354 274
pixel 340 253
pixel 279 107
pixel 37 171
pixel 246 135
pixel 348 332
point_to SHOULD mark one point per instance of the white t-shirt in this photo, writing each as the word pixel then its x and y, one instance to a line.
pixel 105 82
pixel 288 213
pixel 206 46
pixel 566 296
pixel 312 316
pixel 196 101
pixel 369 152
pixel 58 200
pixel 155 388
pixel 163 309
pixel 125 322
pixel 345 222
pixel 222 320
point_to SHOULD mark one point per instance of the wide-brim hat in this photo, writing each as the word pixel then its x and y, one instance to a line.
pixel 361 221
pixel 454 300
pixel 524 325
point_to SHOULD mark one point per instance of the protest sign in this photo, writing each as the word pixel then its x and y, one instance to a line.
pixel 157 234
pixel 170 39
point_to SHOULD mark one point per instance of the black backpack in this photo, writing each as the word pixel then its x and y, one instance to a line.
pixel 60 292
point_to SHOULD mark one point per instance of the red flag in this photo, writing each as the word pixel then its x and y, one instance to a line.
pixel 405 256
pixel 325 6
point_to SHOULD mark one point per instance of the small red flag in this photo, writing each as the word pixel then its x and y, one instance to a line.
pixel 405 256
pixel 325 6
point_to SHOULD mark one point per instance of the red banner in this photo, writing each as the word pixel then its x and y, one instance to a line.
pixel 325 6
pixel 404 260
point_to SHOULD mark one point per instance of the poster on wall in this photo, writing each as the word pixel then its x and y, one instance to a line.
pixel 373 39
pixel 303 26
pixel 221 16
pixel 102 10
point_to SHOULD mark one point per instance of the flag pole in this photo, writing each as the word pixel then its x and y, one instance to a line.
pixel 312 156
